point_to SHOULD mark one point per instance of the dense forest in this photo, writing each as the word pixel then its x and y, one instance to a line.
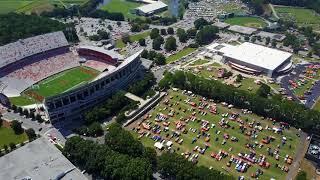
pixel 20 26
pixel 295 114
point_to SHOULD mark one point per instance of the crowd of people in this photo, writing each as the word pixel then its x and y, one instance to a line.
pixel 98 65
pixel 47 67
pixel 21 49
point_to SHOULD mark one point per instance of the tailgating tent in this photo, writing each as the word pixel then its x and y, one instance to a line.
pixel 158 145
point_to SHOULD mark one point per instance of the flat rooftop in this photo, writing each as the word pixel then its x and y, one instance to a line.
pixel 221 25
pixel 152 7
pixel 38 160
pixel 111 53
pixel 254 54
pixel 278 37
pixel 242 29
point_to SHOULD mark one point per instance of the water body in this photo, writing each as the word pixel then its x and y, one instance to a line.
pixel 103 3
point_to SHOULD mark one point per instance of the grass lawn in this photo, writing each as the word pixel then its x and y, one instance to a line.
pixel 7 6
pixel 317 106
pixel 138 36
pixel 249 84
pixel 179 55
pixel 199 62
pixel 120 44
pixel 183 112
pixel 63 81
pixel 122 6
pixel 303 17
pixel 303 88
pixel 7 136
pixel 254 22
pixel 22 100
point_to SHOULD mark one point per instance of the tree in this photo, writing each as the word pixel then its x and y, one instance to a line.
pixel 264 90
pixel 246 38
pixel 160 59
pixel 121 118
pixel 154 33
pixel 259 38
pixel 31 134
pixel 144 54
pixel 182 35
pixel 125 38
pixel 26 112
pixel 302 175
pixel 1 120
pixel 142 42
pixel 16 126
pixel 95 129
pixel 163 32
pixel 268 40
pixel 122 141
pixel 239 78
pixel 156 44
pixel 253 39
pixel 6 148
pixel 109 27
pixel 135 28
pixel 14 108
pixel 274 43
pixel 12 146
pixel 316 49
pixel 206 35
pixel 20 110
pixel 170 44
pixel 170 30
pixel 200 23
pixel 192 32
pixel 118 23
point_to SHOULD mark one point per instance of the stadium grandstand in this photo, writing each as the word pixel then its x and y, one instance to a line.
pixel 65 80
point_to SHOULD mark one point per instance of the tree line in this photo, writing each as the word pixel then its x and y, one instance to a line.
pixel 124 157
pixel 20 26
pixel 295 114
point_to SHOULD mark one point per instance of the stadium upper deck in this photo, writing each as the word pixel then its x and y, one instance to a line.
pixel 23 48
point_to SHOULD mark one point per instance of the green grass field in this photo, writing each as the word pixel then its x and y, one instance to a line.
pixel 133 38
pixel 303 17
pixel 122 6
pixel 254 22
pixel 54 85
pixel 7 136
pixel 64 81
pixel 37 6
pixel 182 111
pixel 7 6
pixel 179 55
pixel 138 36
pixel 199 62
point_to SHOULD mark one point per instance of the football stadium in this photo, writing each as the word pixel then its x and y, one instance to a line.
pixel 65 79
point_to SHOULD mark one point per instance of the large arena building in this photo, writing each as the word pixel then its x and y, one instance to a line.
pixel 65 80
pixel 253 59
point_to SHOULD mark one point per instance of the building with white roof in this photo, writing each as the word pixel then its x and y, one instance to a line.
pixel 152 8
pixel 253 59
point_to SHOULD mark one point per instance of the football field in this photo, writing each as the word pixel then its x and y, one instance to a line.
pixel 62 82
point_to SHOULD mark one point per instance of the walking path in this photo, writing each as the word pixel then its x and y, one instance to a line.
pixel 302 149
pixel 274 11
